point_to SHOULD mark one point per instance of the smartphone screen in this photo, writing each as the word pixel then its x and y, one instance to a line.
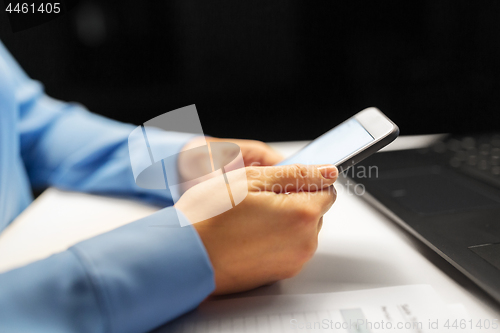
pixel 333 146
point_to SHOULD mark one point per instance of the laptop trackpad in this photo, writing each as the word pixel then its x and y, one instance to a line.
pixel 431 191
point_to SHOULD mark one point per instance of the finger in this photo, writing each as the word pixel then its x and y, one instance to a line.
pixel 256 153
pixel 270 156
pixel 312 204
pixel 292 178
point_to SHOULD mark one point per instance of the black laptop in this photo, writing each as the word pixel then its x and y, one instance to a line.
pixel 448 196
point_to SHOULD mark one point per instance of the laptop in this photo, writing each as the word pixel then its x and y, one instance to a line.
pixel 448 196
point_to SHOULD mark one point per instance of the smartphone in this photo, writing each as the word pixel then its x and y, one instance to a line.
pixel 350 142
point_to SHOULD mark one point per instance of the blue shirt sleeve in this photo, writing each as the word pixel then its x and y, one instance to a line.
pixel 131 279
pixel 64 145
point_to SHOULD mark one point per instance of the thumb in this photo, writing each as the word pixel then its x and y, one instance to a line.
pixel 292 178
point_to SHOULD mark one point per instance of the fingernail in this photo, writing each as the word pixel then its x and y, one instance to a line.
pixel 328 171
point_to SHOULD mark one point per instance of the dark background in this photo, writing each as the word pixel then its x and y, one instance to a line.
pixel 274 70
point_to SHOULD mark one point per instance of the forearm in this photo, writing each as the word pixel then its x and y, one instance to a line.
pixel 66 146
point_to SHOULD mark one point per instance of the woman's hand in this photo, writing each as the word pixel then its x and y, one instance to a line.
pixel 194 162
pixel 272 232
pixel 255 153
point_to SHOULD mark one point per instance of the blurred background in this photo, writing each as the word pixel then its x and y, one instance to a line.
pixel 274 70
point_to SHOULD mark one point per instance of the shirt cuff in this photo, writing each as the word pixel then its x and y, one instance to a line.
pixel 149 271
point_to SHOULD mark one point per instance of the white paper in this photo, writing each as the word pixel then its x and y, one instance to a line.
pixel 395 309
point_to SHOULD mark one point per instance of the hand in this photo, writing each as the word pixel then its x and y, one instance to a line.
pixel 255 153
pixel 272 232
pixel 193 164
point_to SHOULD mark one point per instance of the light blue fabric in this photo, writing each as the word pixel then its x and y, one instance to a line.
pixel 131 279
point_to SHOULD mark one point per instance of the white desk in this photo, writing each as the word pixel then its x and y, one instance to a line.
pixel 359 248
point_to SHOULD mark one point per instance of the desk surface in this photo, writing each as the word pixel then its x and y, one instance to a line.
pixel 359 248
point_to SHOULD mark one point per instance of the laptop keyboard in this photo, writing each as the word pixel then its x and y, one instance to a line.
pixel 477 156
